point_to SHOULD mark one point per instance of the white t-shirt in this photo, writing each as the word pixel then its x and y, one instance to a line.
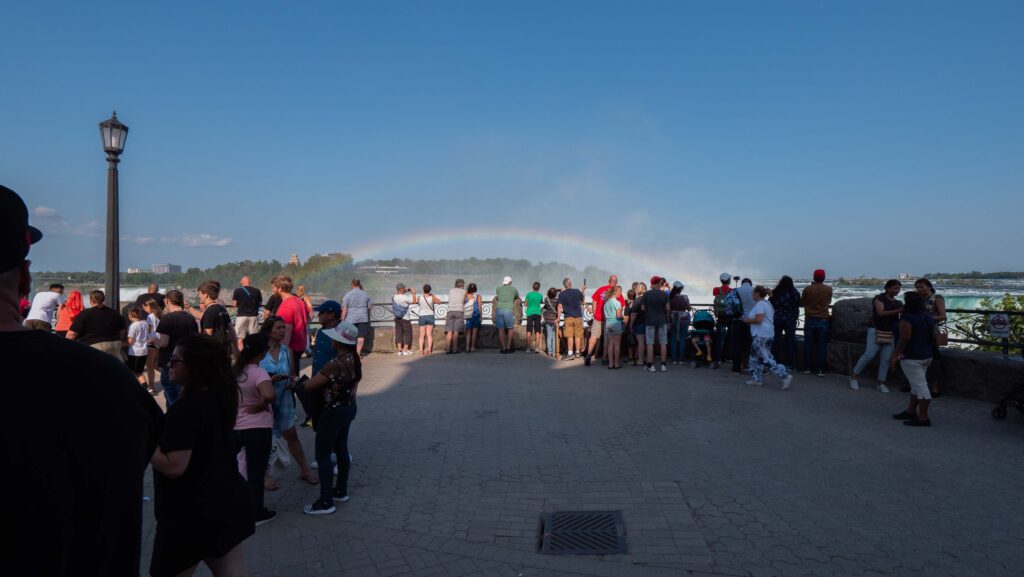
pixel 426 306
pixel 405 300
pixel 139 334
pixel 767 326
pixel 44 304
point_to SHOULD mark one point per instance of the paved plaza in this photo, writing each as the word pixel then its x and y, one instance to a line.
pixel 457 457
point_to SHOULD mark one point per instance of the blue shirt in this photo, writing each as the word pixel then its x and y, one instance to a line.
pixel 572 302
pixel 323 351
pixel 283 364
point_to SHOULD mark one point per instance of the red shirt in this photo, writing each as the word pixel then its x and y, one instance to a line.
pixel 598 299
pixel 722 290
pixel 293 312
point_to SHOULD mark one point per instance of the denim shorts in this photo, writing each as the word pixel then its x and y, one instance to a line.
pixel 504 319
pixel 660 330
pixel 639 329
pixel 613 328
pixel 473 322
pixel 426 320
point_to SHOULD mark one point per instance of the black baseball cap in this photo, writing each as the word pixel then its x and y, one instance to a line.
pixel 16 235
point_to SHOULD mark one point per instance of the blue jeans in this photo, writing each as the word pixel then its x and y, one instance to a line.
pixel 332 437
pixel 784 348
pixel 551 332
pixel 873 349
pixel 171 390
pixel 677 334
pixel 721 338
pixel 816 344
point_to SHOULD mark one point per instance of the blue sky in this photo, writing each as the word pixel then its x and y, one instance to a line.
pixel 761 137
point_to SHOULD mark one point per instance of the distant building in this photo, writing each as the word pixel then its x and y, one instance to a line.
pixel 379 269
pixel 294 260
pixel 907 276
pixel 133 270
pixel 166 268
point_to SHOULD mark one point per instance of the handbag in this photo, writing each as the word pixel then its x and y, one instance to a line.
pixel 883 337
pixel 941 338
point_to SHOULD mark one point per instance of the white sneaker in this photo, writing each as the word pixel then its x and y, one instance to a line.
pixel 664 369
pixel 650 369
pixel 854 384
pixel 399 354
pixel 786 382
pixel 882 388
pixel 753 382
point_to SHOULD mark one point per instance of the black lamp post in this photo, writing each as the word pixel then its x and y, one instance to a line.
pixel 113 135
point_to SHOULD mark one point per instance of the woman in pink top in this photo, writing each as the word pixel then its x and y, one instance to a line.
pixel 255 420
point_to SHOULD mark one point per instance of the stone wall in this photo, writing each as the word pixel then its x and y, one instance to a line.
pixel 980 375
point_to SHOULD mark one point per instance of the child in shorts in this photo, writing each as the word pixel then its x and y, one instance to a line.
pixel 138 339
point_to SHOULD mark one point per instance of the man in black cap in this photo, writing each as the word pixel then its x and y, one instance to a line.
pixel 73 484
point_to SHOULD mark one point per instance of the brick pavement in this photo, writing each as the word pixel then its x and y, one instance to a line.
pixel 456 457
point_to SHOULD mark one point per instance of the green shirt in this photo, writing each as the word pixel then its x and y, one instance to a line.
pixel 533 301
pixel 506 297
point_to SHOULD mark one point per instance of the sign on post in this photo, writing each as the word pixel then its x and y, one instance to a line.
pixel 999 325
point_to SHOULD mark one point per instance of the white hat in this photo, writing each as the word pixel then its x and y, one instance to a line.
pixel 507 280
pixel 724 277
pixel 345 332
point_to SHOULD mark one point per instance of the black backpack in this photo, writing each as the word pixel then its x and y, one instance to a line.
pixel 222 328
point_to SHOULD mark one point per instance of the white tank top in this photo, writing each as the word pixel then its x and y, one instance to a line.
pixel 426 305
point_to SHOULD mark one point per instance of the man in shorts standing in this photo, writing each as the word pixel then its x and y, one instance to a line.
pixel 655 305
pixel 504 317
pixel 570 305
pixel 246 300
pixel 533 319
pixel 455 321
pixel 355 309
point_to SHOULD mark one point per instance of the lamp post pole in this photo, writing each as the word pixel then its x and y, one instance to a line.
pixel 113 135
pixel 113 280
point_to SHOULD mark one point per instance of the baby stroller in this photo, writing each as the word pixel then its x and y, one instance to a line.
pixel 700 341
pixel 1015 398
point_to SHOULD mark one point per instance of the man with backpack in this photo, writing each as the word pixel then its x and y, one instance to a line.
pixel 400 304
pixel 724 315
pixel 740 299
pixel 215 320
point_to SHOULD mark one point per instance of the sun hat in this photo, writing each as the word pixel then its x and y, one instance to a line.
pixel 330 307
pixel 507 280
pixel 345 332
pixel 725 277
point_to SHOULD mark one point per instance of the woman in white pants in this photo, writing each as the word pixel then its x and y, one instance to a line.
pixel 885 313
pixel 915 350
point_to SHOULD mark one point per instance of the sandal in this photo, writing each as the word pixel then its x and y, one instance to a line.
pixel 904 416
pixel 310 478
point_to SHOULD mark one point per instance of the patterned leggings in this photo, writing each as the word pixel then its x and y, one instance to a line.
pixel 761 358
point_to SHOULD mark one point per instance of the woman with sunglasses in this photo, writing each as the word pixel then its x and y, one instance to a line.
pixel 203 507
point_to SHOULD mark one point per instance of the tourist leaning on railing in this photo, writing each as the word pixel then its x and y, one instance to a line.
pixel 786 300
pixel 427 310
pixel 816 299
pixel 473 313
pixel 885 311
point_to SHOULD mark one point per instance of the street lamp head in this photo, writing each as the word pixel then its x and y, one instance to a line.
pixel 113 134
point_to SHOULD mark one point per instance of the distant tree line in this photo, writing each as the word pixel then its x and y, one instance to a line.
pixel 974 275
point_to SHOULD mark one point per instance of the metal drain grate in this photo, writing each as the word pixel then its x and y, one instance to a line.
pixel 583 533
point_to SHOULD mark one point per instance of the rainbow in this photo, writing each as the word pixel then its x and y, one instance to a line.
pixel 607 254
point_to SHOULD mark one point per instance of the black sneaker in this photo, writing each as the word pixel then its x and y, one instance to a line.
pixel 586 360
pixel 265 516
pixel 340 497
pixel 904 416
pixel 918 423
pixel 321 507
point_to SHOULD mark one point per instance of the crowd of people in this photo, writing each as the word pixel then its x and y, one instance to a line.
pixel 231 387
